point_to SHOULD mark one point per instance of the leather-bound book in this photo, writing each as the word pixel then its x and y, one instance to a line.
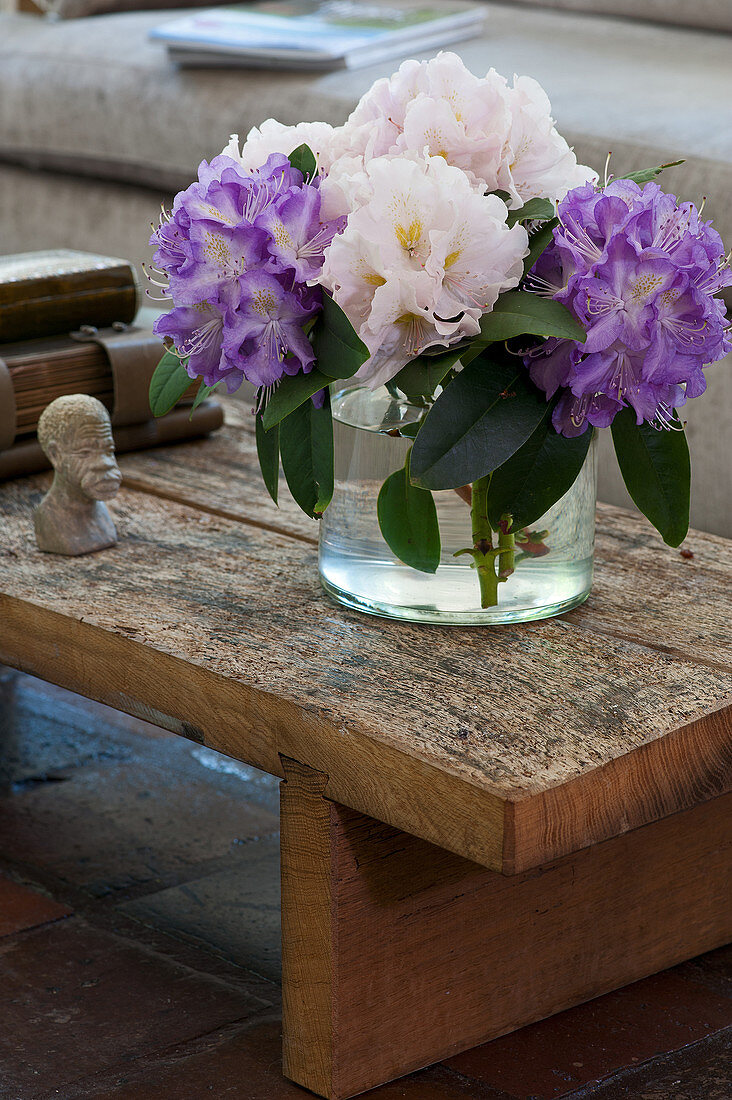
pixel 115 365
pixel 45 293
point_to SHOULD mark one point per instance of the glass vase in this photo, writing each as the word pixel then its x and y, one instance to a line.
pixel 553 560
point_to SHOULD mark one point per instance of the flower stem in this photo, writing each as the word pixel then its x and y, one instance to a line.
pixel 483 552
pixel 506 549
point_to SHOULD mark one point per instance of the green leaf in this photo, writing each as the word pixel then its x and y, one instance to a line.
pixel 656 470
pixel 303 159
pixel 306 446
pixel 644 175
pixel 268 452
pixel 408 521
pixel 538 242
pixel 339 350
pixel 204 392
pixel 410 430
pixel 535 210
pixel 169 382
pixel 485 414
pixel 518 312
pixel 537 475
pixel 293 391
pixel 422 376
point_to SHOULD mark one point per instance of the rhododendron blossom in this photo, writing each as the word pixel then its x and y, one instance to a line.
pixel 422 257
pixel 503 137
pixel 640 272
pixel 274 137
pixel 235 256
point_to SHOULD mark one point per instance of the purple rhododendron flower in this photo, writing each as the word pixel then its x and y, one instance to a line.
pixel 265 330
pixel 197 334
pixel 640 272
pixel 235 255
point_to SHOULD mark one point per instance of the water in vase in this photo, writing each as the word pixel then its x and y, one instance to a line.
pixel 554 558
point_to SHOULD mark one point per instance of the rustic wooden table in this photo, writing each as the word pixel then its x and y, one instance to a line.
pixel 479 827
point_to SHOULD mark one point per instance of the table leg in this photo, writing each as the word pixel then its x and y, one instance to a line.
pixel 397 954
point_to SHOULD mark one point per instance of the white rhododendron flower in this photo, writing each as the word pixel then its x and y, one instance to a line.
pixel 503 137
pixel 274 137
pixel 422 257
pixel 539 163
pixel 344 188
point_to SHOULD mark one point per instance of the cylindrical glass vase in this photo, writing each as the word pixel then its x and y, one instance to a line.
pixel 553 561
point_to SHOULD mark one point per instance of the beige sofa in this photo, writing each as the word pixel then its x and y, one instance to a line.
pixel 97 129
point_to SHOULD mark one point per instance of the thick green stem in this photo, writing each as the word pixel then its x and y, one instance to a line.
pixel 483 552
pixel 506 550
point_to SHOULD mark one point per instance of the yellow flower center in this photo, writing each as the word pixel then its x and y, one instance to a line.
pixel 645 286
pixel 282 237
pixel 410 237
pixel 217 249
pixel 264 301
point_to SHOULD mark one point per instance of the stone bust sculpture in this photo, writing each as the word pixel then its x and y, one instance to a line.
pixel 76 437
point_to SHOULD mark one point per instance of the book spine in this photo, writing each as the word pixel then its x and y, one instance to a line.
pixel 50 316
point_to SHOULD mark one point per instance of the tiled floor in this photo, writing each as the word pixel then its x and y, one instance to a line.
pixel 139 940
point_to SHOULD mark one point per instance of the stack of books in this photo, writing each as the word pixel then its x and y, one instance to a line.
pixel 69 323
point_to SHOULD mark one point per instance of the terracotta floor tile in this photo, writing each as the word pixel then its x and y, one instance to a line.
pixel 249 1067
pixel 75 1001
pixel 713 969
pixel 21 908
pixel 585 1044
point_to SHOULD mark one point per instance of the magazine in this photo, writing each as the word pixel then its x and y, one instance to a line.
pixel 316 34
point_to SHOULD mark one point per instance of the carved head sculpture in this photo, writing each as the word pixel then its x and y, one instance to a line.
pixel 75 435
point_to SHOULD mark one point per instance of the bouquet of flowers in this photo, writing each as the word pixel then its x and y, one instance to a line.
pixel 445 243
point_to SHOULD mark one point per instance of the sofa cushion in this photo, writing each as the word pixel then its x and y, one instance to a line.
pixel 713 15
pixel 77 9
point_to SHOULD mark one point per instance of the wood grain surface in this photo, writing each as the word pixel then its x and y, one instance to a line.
pixel 508 746
pixel 406 954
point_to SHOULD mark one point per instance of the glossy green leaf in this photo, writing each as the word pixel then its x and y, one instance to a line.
pixel 422 376
pixel 204 392
pixel 656 469
pixel 537 475
pixel 293 391
pixel 268 452
pixel 408 521
pixel 409 431
pixel 486 413
pixel 339 350
pixel 535 210
pixel 303 159
pixel 306 447
pixel 539 242
pixel 169 382
pixel 645 175
pixel 518 312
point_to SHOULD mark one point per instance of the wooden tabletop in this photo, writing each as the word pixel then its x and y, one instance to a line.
pixel 510 746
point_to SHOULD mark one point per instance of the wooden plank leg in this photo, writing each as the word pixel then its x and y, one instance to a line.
pixel 397 954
